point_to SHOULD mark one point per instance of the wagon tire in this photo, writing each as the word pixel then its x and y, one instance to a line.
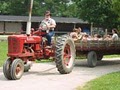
pixel 65 54
pixel 92 59
pixel 17 69
pixel 6 69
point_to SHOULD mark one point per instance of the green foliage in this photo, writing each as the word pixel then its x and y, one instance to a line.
pixel 21 7
pixel 4 7
pixel 116 9
pixel 58 8
pixel 97 11
pixel 106 82
pixel 116 6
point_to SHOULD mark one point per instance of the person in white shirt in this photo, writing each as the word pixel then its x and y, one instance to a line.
pixel 51 24
pixel 115 35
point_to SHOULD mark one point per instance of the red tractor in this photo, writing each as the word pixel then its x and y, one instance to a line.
pixel 24 48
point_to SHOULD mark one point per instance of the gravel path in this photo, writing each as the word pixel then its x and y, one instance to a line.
pixel 44 76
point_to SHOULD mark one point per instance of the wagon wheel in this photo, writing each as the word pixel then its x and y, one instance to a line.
pixel 17 69
pixel 92 59
pixel 65 54
pixel 6 69
pixel 43 26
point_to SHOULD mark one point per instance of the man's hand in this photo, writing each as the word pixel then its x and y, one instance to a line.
pixel 48 27
pixel 40 28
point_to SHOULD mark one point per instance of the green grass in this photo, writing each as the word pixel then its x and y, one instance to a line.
pixel 105 56
pixel 3 52
pixel 112 56
pixel 44 61
pixel 106 82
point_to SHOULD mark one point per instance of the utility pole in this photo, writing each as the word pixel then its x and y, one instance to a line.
pixel 28 29
pixel 91 29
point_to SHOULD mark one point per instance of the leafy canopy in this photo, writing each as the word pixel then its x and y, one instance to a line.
pixel 98 11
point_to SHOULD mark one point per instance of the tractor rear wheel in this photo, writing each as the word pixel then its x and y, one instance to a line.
pixel 65 54
pixel 92 59
pixel 17 69
pixel 6 69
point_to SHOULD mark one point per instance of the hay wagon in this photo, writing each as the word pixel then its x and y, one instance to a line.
pixel 95 49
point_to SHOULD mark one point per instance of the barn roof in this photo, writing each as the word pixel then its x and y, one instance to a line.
pixel 10 18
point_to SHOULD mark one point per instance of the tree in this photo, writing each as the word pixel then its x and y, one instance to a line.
pixel 57 7
pixel 116 9
pixel 18 7
pixel 97 11
pixel 4 7
pixel 116 6
pixel 21 7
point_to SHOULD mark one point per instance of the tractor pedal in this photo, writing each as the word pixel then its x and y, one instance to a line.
pixel 48 47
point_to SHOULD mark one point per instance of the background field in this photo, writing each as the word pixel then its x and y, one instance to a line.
pixel 3 52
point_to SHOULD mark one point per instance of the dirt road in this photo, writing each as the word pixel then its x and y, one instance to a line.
pixel 44 76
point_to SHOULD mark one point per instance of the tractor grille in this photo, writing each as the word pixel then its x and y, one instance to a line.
pixel 13 45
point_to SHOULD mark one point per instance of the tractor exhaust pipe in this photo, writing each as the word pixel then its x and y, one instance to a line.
pixel 28 29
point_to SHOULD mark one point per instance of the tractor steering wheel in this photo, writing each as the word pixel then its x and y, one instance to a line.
pixel 43 26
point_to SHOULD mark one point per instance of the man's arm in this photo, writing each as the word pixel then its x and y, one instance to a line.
pixel 52 25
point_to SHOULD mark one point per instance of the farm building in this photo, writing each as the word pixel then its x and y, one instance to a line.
pixel 16 24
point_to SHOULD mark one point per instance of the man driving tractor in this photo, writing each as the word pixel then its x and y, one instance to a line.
pixel 50 25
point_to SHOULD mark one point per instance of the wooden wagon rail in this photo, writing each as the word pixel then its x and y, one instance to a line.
pixel 97 45
pixel 96 49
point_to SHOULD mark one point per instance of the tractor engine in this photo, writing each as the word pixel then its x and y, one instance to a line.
pixel 23 46
pixel 28 48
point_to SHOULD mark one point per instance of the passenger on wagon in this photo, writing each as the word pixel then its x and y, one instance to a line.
pixel 115 34
pixel 74 34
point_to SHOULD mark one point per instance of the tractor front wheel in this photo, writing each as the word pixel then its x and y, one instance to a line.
pixel 65 54
pixel 17 69
pixel 6 69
